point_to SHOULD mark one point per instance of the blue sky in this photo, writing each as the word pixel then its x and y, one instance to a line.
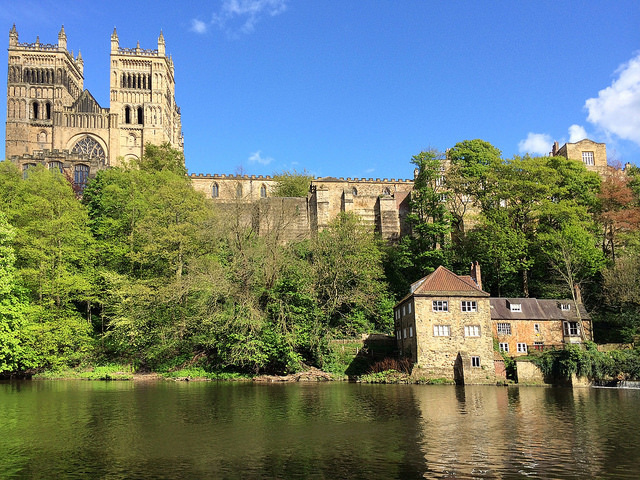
pixel 355 88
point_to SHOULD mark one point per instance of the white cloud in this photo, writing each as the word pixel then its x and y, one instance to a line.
pixel 577 133
pixel 243 15
pixel 370 170
pixel 256 157
pixel 198 26
pixel 617 108
pixel 536 143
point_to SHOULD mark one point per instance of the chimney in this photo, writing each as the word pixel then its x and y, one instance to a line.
pixel 476 275
pixel 578 294
pixel 555 149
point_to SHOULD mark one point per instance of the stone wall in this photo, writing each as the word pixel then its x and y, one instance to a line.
pixel 438 355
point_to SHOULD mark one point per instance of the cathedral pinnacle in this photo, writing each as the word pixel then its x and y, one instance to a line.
pixel 13 36
pixel 161 49
pixel 115 42
pixel 62 39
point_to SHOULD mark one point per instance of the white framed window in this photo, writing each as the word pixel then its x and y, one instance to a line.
pixel 536 328
pixel 404 333
pixel 443 197
pixel 472 330
pixel 504 329
pixel 515 307
pixel 503 203
pixel 504 347
pixel 587 158
pixel 440 306
pixel 469 306
pixel 441 330
pixel 409 308
pixel 440 181
pixel 522 348
pixel 565 307
pixel 410 332
pixel 571 329
pixel 475 361
pixel 404 311
pixel 398 334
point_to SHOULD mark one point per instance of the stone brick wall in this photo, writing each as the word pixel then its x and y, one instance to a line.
pixel 437 356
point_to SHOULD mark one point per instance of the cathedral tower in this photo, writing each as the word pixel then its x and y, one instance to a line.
pixel 142 96
pixel 43 79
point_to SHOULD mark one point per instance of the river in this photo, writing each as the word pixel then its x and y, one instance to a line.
pixel 168 430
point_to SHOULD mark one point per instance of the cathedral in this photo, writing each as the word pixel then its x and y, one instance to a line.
pixel 53 119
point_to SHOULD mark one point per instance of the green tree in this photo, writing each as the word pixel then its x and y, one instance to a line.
pixel 429 218
pixel 346 260
pixel 290 183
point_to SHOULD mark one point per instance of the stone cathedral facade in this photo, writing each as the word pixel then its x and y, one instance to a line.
pixel 53 119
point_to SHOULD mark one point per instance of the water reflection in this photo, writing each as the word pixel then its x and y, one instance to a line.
pixel 241 430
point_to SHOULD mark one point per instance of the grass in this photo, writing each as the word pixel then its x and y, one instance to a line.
pixel 103 372
pixel 199 373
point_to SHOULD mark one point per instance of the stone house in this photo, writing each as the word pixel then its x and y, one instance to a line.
pixel 444 326
pixel 521 325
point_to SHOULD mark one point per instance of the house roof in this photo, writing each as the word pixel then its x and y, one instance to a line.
pixel 443 282
pixel 536 309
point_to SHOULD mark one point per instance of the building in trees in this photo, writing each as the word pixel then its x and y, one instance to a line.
pixel 444 326
pixel 53 119
pixel 447 325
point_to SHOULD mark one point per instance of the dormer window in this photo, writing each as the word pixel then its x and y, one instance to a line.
pixel 565 307
pixel 515 307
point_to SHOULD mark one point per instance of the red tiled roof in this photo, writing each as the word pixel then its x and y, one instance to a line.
pixel 444 280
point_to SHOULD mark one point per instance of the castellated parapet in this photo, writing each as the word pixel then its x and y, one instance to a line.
pixel 380 203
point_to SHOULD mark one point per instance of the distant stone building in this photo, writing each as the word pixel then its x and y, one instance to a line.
pixel 592 154
pixel 381 203
pixel 53 119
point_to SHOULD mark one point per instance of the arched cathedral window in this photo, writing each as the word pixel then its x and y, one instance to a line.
pixel 263 191
pixel 90 147
pixel 239 191
pixel 215 192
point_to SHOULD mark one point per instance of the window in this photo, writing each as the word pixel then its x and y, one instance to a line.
pixel 443 197
pixel 263 191
pixel 538 345
pixel 404 333
pixel 239 191
pixel 81 176
pixel 440 181
pixel 504 329
pixel 90 147
pixel 472 330
pixel 441 331
pixel 35 110
pixel 404 310
pixel 25 169
pixel 515 307
pixel 565 307
pixel 571 329
pixel 55 166
pixel 215 191
pixel 587 158
pixel 127 114
pixel 398 334
pixel 475 361
pixel 522 348
pixel 504 347
pixel 386 191
pixel 410 332
pixel 503 203
pixel 409 308
pixel 469 306
pixel 536 328
pixel 440 306
pixel 354 191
